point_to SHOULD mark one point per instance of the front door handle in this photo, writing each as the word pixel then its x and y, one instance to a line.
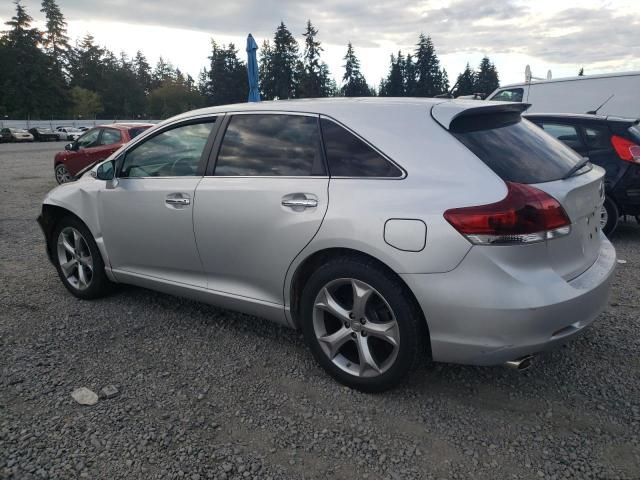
pixel 300 203
pixel 177 201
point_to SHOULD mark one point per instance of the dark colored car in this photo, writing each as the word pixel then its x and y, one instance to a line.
pixel 43 134
pixel 92 147
pixel 610 142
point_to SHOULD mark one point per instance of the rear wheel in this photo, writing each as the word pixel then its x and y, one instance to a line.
pixel 609 216
pixel 78 260
pixel 360 324
pixel 62 174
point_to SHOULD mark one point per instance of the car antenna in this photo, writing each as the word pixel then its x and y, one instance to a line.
pixel 595 112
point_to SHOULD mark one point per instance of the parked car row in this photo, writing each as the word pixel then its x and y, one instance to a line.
pixel 384 229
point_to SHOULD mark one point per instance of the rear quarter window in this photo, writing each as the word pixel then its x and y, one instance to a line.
pixel 514 148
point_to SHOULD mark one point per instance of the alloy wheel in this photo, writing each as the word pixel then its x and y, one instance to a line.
pixel 604 217
pixel 74 257
pixel 355 327
pixel 62 174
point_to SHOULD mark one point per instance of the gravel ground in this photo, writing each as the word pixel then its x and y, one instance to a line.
pixel 207 393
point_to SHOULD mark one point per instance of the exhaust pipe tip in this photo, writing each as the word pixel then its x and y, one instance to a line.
pixel 520 364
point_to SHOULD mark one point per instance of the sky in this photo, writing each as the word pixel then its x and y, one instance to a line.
pixel 559 35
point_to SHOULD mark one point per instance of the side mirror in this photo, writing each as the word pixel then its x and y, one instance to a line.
pixel 69 146
pixel 106 171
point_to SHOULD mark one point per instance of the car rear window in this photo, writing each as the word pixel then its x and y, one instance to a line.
pixel 635 132
pixel 134 132
pixel 514 148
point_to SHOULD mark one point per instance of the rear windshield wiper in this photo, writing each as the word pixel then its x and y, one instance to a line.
pixel 578 166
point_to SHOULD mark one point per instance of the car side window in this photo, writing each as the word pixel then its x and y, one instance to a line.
pixel 171 153
pixel 89 139
pixel 597 136
pixel 567 134
pixel 348 156
pixel 270 145
pixel 510 95
pixel 110 136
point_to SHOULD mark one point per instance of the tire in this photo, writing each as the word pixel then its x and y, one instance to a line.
pixel 390 315
pixel 609 216
pixel 62 174
pixel 78 260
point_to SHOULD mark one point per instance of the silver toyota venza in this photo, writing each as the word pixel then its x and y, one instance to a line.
pixel 382 228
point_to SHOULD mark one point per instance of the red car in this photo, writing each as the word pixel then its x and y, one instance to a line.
pixel 93 146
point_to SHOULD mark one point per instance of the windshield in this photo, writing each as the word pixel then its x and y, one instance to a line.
pixel 514 148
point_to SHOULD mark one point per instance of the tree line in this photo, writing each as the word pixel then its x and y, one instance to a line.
pixel 44 76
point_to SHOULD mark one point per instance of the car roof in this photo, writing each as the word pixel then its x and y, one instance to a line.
pixel 360 107
pixel 581 116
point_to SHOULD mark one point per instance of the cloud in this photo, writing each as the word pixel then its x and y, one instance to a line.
pixel 576 35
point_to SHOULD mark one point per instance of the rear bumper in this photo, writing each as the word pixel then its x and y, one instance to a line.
pixel 483 313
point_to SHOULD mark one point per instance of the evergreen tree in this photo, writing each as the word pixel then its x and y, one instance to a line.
pixel 429 77
pixel 56 42
pixel 228 82
pixel 162 74
pixel 353 82
pixel 30 85
pixel 314 76
pixel 581 72
pixel 283 61
pixel 394 84
pixel 142 70
pixel 265 71
pixel 87 65
pixel 466 82
pixel 409 76
pixel 487 78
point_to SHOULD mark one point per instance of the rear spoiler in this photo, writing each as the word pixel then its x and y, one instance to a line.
pixel 446 112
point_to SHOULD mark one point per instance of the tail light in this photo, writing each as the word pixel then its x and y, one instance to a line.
pixel 626 149
pixel 525 215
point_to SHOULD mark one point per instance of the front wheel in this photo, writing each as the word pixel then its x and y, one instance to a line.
pixel 609 216
pixel 78 260
pixel 62 174
pixel 360 323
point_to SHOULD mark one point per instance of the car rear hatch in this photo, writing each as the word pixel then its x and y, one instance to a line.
pixel 526 157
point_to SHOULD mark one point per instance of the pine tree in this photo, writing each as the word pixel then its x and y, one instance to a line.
pixel 87 65
pixel 142 70
pixel 429 77
pixel 581 72
pixel 353 82
pixel 30 83
pixel 228 82
pixel 56 42
pixel 409 76
pixel 265 71
pixel 394 85
pixel 283 62
pixel 313 76
pixel 487 78
pixel 162 73
pixel 466 83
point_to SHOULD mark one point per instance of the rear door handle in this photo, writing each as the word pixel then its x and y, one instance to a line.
pixel 300 203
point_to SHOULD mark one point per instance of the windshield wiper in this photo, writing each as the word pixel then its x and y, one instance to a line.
pixel 578 166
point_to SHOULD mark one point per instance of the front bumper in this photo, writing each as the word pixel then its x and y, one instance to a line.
pixel 483 313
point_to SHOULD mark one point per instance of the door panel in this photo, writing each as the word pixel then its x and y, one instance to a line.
pixel 247 237
pixel 148 228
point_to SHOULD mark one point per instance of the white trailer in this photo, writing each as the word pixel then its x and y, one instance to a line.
pixel 610 94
